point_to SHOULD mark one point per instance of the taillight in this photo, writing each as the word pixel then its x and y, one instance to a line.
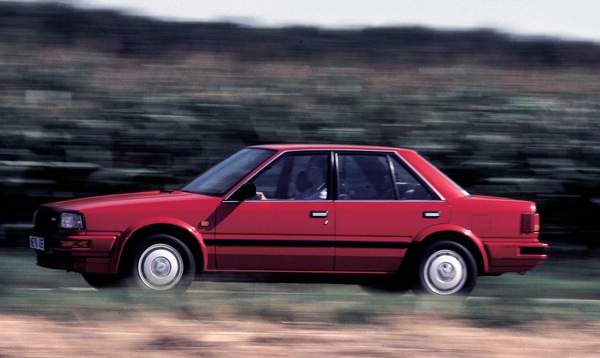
pixel 530 223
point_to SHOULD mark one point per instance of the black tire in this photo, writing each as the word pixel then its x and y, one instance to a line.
pixel 447 268
pixel 102 281
pixel 160 263
pixel 395 284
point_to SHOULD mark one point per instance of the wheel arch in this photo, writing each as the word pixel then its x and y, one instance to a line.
pixel 185 235
pixel 463 237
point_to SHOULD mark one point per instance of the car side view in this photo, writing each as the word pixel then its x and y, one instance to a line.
pixel 334 210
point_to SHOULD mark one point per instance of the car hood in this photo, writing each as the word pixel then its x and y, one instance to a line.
pixel 117 212
pixel 141 198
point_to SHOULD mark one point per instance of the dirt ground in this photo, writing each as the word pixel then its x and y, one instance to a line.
pixel 405 336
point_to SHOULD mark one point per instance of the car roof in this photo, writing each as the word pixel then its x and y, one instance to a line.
pixel 285 147
pixel 438 180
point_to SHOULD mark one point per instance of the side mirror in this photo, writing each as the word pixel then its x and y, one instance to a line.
pixel 246 191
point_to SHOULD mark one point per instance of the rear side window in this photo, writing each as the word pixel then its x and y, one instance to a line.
pixel 365 177
pixel 406 184
pixel 377 177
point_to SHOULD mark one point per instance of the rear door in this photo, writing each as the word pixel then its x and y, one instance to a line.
pixel 381 206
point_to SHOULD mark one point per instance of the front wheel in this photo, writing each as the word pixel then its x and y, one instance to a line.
pixel 447 268
pixel 101 281
pixel 162 262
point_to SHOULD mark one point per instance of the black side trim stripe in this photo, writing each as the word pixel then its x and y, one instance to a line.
pixel 372 244
pixel 533 251
pixel 307 243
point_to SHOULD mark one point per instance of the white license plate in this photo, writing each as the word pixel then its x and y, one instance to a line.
pixel 36 242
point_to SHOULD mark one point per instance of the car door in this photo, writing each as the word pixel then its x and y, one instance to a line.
pixel 289 226
pixel 381 206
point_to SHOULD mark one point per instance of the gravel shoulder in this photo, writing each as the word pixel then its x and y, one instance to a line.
pixel 406 336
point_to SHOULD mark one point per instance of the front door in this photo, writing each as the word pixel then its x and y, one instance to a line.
pixel 288 226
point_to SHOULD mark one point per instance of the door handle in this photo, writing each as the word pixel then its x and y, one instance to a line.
pixel 432 214
pixel 319 214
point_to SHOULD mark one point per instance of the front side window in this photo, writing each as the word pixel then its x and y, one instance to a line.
pixel 294 177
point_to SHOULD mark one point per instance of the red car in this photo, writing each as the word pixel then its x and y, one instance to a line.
pixel 375 212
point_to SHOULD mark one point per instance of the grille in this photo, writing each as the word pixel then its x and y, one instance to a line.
pixel 46 220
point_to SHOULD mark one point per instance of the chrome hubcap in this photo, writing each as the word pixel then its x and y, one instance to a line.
pixel 160 267
pixel 445 272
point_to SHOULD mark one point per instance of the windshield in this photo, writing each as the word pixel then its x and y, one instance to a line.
pixel 221 178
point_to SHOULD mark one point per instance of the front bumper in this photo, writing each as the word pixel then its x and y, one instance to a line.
pixel 78 253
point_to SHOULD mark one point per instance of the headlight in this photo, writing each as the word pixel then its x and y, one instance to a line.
pixel 71 221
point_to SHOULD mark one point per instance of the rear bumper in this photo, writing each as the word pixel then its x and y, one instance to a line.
pixel 514 256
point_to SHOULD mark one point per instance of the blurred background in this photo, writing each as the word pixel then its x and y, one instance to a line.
pixel 96 101
pixel 107 96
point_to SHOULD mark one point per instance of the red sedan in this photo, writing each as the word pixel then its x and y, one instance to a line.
pixel 373 212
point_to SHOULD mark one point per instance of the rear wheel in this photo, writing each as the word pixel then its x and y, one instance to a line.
pixel 447 268
pixel 162 262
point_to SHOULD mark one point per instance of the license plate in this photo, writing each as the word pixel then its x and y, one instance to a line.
pixel 36 242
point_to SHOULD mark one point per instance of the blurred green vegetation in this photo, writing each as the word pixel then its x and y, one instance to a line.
pixel 558 290
pixel 95 102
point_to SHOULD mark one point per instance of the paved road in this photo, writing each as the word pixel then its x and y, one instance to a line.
pixel 194 290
